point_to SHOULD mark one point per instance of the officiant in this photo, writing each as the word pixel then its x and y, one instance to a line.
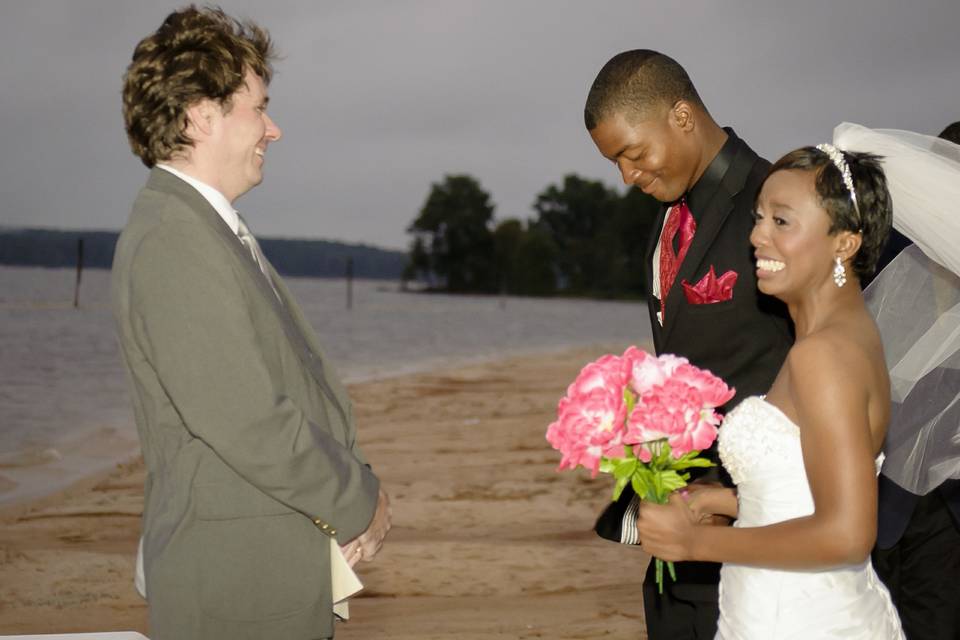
pixel 256 492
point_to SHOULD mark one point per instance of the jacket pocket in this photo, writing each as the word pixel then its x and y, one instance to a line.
pixel 261 567
pixel 709 308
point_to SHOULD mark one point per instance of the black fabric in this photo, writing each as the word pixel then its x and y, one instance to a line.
pixel 744 340
pixel 687 609
pixel 922 571
pixel 609 523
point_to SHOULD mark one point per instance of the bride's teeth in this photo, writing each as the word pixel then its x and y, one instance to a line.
pixel 770 265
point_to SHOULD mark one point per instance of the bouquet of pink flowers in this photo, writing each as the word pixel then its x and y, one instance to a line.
pixel 642 418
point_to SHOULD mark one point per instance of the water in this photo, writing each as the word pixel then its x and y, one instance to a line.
pixel 64 404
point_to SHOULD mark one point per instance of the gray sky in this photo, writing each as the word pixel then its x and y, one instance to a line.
pixel 379 98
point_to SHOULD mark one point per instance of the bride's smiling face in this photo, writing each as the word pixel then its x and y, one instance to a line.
pixel 791 236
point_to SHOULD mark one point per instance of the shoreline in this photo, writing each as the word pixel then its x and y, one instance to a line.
pixel 492 541
pixel 64 468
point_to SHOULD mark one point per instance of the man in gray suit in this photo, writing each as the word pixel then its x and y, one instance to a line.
pixel 248 437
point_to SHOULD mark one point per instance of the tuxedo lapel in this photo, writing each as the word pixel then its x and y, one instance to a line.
pixel 709 223
pixel 651 270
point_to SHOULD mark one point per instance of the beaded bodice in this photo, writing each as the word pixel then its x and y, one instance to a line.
pixel 760 449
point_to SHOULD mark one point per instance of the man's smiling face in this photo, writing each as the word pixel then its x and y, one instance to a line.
pixel 656 154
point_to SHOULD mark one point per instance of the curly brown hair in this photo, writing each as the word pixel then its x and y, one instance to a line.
pixel 195 54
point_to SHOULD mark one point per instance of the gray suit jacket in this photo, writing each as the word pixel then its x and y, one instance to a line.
pixel 247 435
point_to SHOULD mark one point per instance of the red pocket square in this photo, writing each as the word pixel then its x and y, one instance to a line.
pixel 711 289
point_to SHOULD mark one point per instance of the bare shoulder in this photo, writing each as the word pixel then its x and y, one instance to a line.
pixel 829 360
pixel 826 348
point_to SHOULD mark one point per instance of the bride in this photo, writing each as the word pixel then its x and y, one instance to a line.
pixel 797 561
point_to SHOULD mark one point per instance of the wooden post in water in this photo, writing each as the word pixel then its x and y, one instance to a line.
pixel 76 289
pixel 349 282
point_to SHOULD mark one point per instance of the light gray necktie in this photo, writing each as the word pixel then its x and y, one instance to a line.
pixel 247 239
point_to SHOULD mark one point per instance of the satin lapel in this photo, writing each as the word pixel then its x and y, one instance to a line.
pixel 648 268
pixel 651 248
pixel 711 221
pixel 167 182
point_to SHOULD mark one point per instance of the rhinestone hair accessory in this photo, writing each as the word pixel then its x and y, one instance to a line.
pixel 836 157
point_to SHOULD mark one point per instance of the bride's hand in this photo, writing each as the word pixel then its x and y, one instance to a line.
pixel 711 503
pixel 666 530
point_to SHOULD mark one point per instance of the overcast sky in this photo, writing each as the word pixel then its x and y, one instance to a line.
pixel 377 99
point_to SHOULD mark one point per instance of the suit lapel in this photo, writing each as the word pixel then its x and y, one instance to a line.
pixel 710 222
pixel 311 355
pixel 649 269
pixel 165 181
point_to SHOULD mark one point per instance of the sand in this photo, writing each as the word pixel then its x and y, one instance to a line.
pixel 488 539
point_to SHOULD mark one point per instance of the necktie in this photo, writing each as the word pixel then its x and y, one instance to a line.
pixel 680 219
pixel 247 239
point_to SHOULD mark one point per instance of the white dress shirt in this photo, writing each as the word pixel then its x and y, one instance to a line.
pixel 655 280
pixel 216 199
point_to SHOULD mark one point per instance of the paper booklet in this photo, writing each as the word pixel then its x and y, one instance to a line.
pixel 343 581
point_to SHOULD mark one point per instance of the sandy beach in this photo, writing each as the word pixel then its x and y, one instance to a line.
pixel 488 539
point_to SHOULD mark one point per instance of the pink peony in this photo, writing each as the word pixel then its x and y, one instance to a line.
pixel 644 370
pixel 673 411
pixel 588 427
pixel 609 373
pixel 713 391
pixel 675 401
pixel 671 363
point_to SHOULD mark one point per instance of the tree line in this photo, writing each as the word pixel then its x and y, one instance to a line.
pixel 312 258
pixel 584 239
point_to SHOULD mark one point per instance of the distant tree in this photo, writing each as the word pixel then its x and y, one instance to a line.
pixel 452 236
pixel 418 263
pixel 525 259
pixel 586 239
pixel 573 216
pixel 507 238
pixel 535 272
pixel 630 230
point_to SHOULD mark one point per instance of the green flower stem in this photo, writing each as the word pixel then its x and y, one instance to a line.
pixel 653 481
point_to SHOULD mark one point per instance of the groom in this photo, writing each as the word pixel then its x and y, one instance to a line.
pixel 254 476
pixel 646 117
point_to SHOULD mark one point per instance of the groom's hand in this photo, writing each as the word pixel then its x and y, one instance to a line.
pixel 371 540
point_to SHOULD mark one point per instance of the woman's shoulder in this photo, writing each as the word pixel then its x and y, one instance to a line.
pixel 830 354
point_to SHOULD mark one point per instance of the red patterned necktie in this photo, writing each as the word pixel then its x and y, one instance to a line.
pixel 680 219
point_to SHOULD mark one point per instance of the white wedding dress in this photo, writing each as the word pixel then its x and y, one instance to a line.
pixel 760 447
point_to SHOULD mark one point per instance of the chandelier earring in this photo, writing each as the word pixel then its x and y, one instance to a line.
pixel 839 273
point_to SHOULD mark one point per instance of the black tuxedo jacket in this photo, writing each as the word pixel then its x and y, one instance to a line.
pixel 743 340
